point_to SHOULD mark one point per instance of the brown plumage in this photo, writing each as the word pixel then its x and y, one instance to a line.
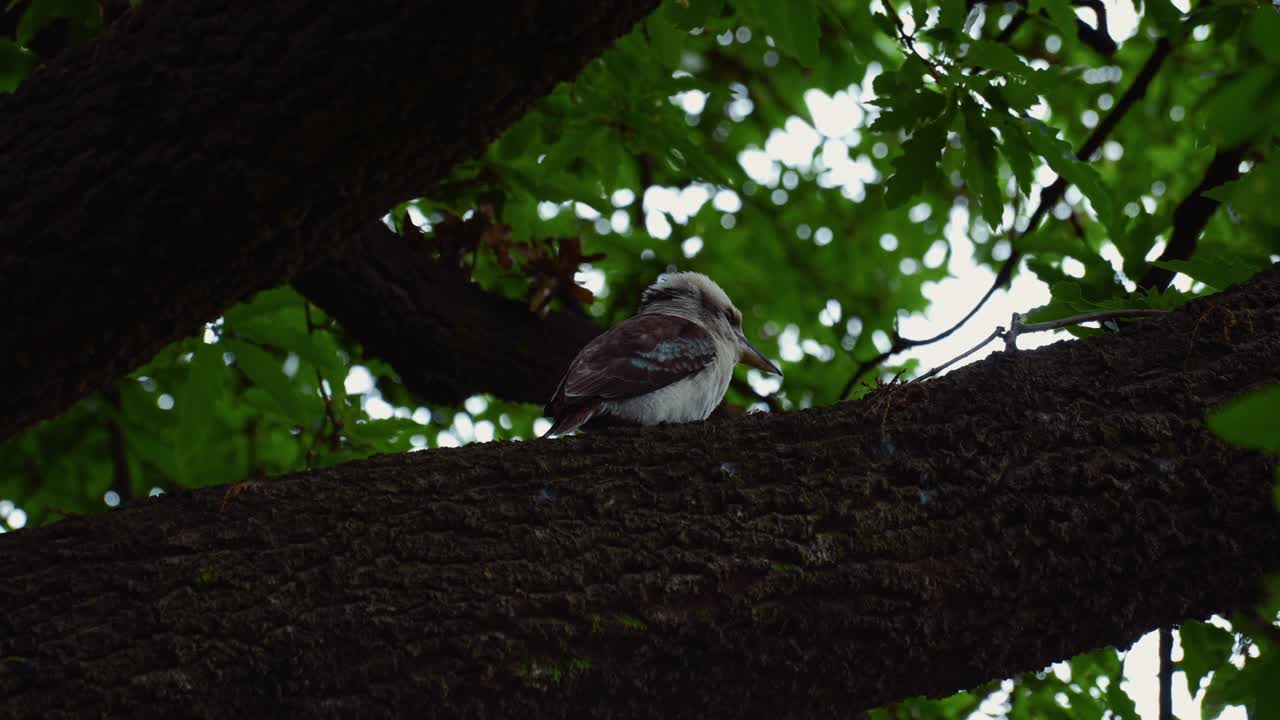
pixel 670 363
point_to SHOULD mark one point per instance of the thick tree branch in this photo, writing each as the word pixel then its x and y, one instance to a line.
pixel 446 337
pixel 200 151
pixel 1013 513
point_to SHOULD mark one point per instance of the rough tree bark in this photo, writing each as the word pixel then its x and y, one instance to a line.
pixel 201 151
pixel 446 337
pixel 806 564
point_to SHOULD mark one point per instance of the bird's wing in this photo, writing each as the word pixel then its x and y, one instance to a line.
pixel 643 354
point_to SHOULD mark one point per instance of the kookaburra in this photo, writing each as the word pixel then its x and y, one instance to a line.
pixel 672 362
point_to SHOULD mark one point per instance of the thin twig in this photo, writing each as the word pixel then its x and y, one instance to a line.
pixel 644 167
pixel 122 481
pixel 900 343
pixel 1017 327
pixel 897 23
pixel 1165 673
pixel 907 41
pixel 329 417
pixel 998 332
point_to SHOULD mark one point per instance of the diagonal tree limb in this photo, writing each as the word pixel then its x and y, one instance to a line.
pixel 790 565
pixel 445 337
pixel 200 151
pixel 1192 215
pixel 1097 39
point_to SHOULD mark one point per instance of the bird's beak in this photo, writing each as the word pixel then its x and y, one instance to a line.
pixel 749 355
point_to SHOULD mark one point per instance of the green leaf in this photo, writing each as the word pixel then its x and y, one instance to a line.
pixel 692 13
pixel 1253 195
pixel 1017 94
pixel 1245 106
pixel 196 402
pixel 793 25
pixel 1205 648
pixel 1016 150
pixel 1252 421
pixel 266 302
pixel 1264 32
pixel 551 185
pixel 680 148
pixel 886 84
pixel 85 16
pixel 1256 687
pixel 1070 298
pixel 386 434
pixel 1061 14
pixel 266 372
pixel 315 349
pixel 911 111
pixel 998 57
pixel 979 168
pixel 920 12
pixel 1063 161
pixel 952 16
pixel 16 63
pixel 919 161
pixel 666 39
pixel 1167 17
pixel 515 143
pixel 1217 268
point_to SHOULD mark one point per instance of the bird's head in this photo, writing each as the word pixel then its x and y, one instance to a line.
pixel 698 298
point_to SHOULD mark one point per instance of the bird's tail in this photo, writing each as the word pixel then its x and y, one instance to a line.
pixel 572 419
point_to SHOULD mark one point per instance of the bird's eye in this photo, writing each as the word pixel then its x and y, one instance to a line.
pixel 734 318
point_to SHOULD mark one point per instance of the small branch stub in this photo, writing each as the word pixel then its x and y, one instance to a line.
pixel 1017 327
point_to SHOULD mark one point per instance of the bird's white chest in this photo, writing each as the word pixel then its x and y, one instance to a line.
pixel 687 400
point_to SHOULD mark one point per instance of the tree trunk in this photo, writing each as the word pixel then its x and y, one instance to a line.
pixel 808 564
pixel 445 337
pixel 201 151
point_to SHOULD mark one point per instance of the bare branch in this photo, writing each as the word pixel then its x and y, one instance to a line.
pixel 1017 327
pixel 998 332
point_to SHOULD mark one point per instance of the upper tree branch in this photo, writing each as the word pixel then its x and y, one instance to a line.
pixel 200 151
pixel 445 337
pixel 768 566
pixel 1097 39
